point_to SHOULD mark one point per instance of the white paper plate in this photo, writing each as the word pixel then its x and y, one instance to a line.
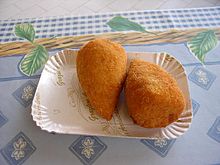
pixel 60 106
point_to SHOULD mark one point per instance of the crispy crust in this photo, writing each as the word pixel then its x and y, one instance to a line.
pixel 101 69
pixel 153 97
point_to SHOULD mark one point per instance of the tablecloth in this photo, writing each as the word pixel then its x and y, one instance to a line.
pixel 22 142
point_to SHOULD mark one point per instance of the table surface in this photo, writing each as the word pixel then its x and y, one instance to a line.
pixel 22 142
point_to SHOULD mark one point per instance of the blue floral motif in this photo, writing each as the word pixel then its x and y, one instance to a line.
pixel 195 106
pixel 88 148
pixel 3 119
pixel 160 146
pixel 19 149
pixel 25 93
pixel 214 131
pixel 202 77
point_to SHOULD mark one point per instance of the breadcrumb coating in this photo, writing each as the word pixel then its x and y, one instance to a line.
pixel 153 97
pixel 101 69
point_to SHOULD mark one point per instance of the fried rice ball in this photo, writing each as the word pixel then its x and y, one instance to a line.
pixel 153 97
pixel 101 69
